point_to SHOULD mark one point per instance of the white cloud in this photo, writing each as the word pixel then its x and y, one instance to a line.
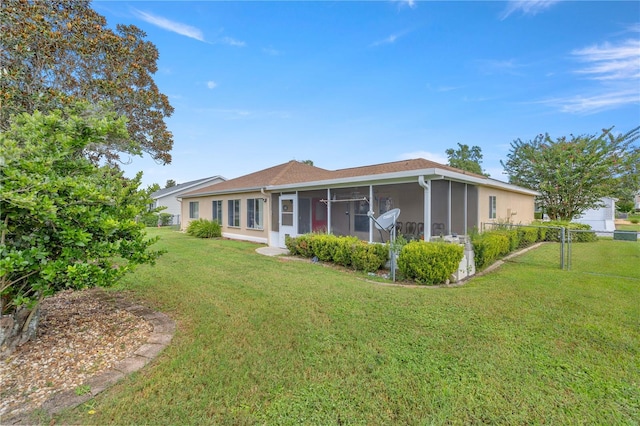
pixel 611 61
pixel 590 104
pixel 438 158
pixel 527 7
pixel 409 3
pixel 499 66
pixel 232 42
pixel 271 51
pixel 212 84
pixel 164 23
pixel 390 39
pixel 615 69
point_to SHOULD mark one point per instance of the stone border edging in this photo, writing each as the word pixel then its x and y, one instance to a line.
pixel 163 331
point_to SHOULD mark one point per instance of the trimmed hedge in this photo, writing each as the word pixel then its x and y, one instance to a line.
pixel 582 236
pixel 492 245
pixel 369 257
pixel 345 251
pixel 150 220
pixel 429 263
pixel 489 247
pixel 203 228
pixel 528 236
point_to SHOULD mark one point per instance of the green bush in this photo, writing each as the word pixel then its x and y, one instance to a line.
pixel 634 220
pixel 528 236
pixel 512 235
pixel 325 246
pixel 429 263
pixel 489 247
pixel 203 228
pixel 291 244
pixel 369 257
pixel 150 219
pixel 542 233
pixel 571 226
pixel 344 251
pixel 165 219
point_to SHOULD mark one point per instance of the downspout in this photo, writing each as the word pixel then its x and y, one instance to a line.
pixel 427 206
pixel 267 219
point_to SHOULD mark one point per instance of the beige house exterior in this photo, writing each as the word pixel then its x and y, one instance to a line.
pixel 294 198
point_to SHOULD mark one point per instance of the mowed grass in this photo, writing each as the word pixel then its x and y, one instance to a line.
pixel 628 227
pixel 265 340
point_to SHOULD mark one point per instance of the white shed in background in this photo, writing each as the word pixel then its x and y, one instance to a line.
pixel 600 219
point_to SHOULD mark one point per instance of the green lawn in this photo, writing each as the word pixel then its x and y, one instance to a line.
pixel 267 341
pixel 628 227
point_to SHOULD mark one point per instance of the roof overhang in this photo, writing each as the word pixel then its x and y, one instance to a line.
pixel 404 177
pixel 407 176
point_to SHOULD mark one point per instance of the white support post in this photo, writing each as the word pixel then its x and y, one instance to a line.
pixel 449 209
pixel 329 211
pixel 371 210
pixel 427 206
pixel 465 209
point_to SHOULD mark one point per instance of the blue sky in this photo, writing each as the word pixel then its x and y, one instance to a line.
pixel 346 84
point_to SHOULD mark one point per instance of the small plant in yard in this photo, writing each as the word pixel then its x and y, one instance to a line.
pixel 82 390
pixel 203 228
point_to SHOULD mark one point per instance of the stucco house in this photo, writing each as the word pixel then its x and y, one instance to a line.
pixel 296 198
pixel 602 218
pixel 167 197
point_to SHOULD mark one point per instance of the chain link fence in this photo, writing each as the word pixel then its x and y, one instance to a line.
pixel 610 253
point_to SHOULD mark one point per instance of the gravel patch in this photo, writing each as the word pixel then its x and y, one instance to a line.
pixel 80 335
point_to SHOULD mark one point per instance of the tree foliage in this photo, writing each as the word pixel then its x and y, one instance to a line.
pixel 170 183
pixel 54 53
pixel 64 221
pixel 573 174
pixel 465 158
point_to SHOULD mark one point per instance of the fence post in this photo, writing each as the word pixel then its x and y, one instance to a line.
pixel 562 248
pixel 569 249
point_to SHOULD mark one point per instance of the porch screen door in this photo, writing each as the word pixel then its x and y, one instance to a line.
pixel 287 218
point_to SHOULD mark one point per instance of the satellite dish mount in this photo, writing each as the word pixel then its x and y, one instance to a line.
pixel 387 222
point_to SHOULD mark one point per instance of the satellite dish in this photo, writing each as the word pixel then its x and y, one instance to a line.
pixel 387 220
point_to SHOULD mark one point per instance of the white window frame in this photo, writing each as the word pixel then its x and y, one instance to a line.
pixel 233 213
pixel 216 211
pixel 255 213
pixel 493 204
pixel 194 209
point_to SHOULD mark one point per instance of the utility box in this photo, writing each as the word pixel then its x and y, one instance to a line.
pixel 625 235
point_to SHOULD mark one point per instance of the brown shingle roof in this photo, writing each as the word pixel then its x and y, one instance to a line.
pixel 297 172
pixel 397 166
pixel 291 172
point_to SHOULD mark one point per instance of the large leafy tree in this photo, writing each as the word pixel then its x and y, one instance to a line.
pixel 54 53
pixel 573 173
pixel 466 158
pixel 65 222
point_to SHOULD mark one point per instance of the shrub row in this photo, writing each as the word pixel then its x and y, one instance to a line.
pixel 203 228
pixel 345 251
pixel 429 263
pixel 492 245
pixel 155 219
pixel 582 236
